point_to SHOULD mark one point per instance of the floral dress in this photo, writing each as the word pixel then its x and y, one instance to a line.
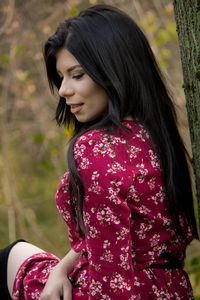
pixel 128 225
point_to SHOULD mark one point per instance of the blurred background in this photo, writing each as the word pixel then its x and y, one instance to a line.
pixel 32 147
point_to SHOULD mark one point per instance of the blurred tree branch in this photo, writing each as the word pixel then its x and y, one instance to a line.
pixel 9 16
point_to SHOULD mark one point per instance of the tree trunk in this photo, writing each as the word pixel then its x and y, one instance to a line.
pixel 187 15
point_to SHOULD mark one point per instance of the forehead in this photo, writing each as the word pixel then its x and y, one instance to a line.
pixel 64 59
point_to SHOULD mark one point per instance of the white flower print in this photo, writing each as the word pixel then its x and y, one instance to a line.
pixel 95 287
pixel 133 151
pixel 104 148
pixel 95 175
pixel 95 188
pixel 121 235
pixel 158 197
pixel 86 216
pixel 151 183
pixel 115 167
pixel 106 244
pixel 155 239
pixel 83 279
pixel 107 256
pixel 114 197
pixel 132 194
pixel 184 283
pixel 105 215
pixel 79 293
pixel 137 281
pixel 82 138
pixel 143 172
pixel 84 164
pixel 118 284
pixel 144 210
pixel 92 232
pixel 79 150
pixel 166 221
pixel 154 159
pixel 142 135
pixel 35 294
pixel 65 214
pixel 160 293
pixel 124 256
pixel 97 267
pixel 144 229
pixel 117 183
pixel 106 297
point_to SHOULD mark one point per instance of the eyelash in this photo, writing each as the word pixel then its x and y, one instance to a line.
pixel 74 76
pixel 78 76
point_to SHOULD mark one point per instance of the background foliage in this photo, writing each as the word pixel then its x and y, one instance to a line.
pixel 33 148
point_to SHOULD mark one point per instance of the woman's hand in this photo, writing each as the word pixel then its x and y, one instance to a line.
pixel 58 286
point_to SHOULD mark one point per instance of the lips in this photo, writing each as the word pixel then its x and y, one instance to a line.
pixel 76 107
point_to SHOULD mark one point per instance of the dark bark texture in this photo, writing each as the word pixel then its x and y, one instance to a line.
pixel 187 15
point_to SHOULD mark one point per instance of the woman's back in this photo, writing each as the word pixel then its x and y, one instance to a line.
pixel 128 227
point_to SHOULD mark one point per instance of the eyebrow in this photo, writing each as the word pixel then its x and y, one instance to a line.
pixel 73 67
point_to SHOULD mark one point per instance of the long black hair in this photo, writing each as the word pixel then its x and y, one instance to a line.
pixel 114 52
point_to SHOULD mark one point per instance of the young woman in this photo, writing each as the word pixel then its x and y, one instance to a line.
pixel 126 198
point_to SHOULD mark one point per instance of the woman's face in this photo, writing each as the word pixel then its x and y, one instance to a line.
pixel 86 99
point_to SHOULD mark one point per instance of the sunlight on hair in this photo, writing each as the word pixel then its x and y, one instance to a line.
pixel 69 129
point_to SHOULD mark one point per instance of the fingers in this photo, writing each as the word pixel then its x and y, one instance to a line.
pixel 67 293
pixel 63 292
pixel 67 290
pixel 47 296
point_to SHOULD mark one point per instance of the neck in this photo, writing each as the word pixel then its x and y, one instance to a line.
pixel 128 118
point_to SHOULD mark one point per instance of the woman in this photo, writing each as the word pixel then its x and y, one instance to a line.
pixel 126 198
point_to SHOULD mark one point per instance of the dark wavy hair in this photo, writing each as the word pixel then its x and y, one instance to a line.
pixel 114 52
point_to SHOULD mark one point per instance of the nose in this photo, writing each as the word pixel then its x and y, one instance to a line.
pixel 65 91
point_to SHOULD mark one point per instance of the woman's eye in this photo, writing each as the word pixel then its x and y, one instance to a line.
pixel 77 76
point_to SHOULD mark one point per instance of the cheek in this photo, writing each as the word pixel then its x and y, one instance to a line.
pixel 95 96
pixel 87 88
pixel 101 105
pixel 90 88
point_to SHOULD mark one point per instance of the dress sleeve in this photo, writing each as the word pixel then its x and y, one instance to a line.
pixel 107 218
pixel 64 208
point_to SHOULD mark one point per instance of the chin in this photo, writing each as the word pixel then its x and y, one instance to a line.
pixel 89 121
pixel 82 120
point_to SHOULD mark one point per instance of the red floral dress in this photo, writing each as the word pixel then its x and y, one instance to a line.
pixel 128 225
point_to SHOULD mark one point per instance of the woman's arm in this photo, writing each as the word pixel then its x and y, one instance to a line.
pixel 58 285
pixel 67 263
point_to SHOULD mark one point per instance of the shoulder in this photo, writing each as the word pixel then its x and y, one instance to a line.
pixel 119 135
pixel 89 136
pixel 85 143
pixel 99 143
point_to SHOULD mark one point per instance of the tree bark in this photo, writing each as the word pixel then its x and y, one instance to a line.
pixel 187 15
